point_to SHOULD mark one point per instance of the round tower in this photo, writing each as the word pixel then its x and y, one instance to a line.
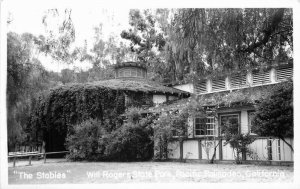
pixel 130 70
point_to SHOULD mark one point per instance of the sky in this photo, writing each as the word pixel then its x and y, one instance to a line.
pixel 27 17
pixel 86 14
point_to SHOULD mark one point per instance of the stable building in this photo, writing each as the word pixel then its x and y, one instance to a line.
pixel 232 98
pixel 131 77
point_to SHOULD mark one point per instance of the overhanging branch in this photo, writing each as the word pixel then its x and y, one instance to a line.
pixel 276 20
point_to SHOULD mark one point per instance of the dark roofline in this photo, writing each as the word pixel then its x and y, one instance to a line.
pixel 143 85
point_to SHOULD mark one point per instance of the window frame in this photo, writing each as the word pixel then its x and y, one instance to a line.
pixel 238 113
pixel 214 130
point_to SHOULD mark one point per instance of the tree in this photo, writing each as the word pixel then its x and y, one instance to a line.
pixel 147 39
pixel 206 41
pixel 67 76
pixel 274 114
pixel 103 54
pixel 194 43
pixel 60 36
pixel 26 78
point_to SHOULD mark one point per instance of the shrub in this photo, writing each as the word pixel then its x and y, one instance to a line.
pixel 90 140
pixel 83 141
pixel 131 142
pixel 274 114
pixel 240 144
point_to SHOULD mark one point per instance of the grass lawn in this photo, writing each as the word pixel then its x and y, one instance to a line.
pixel 136 172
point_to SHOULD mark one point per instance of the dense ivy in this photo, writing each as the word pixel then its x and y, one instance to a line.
pixel 72 104
pixel 137 99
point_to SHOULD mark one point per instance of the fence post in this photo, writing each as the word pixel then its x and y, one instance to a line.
pixel 14 164
pixel 181 149
pixel 44 157
pixel 30 157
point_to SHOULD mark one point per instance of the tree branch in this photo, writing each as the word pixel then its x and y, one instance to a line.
pixel 276 19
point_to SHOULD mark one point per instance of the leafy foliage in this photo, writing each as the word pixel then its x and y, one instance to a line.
pixel 147 41
pixel 105 52
pixel 173 123
pixel 206 41
pixel 274 114
pixel 130 142
pixel 72 104
pixel 194 43
pixel 143 35
pixel 26 79
pixel 83 140
pixel 240 144
pixel 60 36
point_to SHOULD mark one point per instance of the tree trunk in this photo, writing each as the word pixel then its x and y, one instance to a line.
pixel 214 155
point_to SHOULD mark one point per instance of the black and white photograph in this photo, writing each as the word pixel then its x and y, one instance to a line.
pixel 102 94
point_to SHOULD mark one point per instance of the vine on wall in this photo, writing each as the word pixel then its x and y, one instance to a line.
pixel 172 124
pixel 68 105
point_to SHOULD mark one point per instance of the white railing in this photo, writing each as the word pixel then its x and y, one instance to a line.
pixel 16 155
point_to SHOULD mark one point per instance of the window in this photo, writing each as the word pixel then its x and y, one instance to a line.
pixel 139 73
pixel 144 73
pixel 121 73
pixel 251 115
pixel 133 72
pixel 229 122
pixel 205 126
pixel 127 73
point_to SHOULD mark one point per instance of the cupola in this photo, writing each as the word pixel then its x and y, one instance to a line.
pixel 130 70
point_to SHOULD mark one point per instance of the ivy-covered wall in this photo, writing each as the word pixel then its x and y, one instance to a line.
pixel 138 99
pixel 65 106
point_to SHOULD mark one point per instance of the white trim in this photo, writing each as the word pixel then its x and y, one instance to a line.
pixel 214 126
pixel 243 87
